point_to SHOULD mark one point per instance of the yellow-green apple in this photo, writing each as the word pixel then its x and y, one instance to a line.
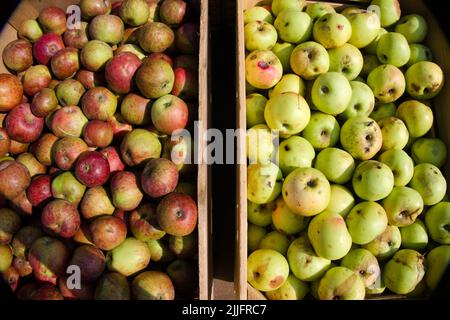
pixel 383 110
pixel 260 214
pixel 125 190
pixel 69 93
pixel 304 262
pixel 139 145
pixel 260 35
pixel 372 180
pixel 9 224
pixel 309 60
pixel 154 78
pixel 286 221
pixel 317 10
pixel 413 26
pixel 437 220
pixel 361 137
pixel 370 62
pixel 366 221
pixel 372 47
pixel 276 241
pixel 136 50
pixel 6 256
pixel 287 112
pixel 267 269
pixel 143 225
pixel 404 271
pixel 257 13
pixel 365 27
pixel 336 164
pixel 419 52
pixel 254 236
pixel 387 83
pixel 364 264
pixel 401 164
pixel 394 132
pixel 332 30
pixel 341 283
pixel 414 236
pixel 30 30
pixel 280 5
pixel 341 200
pixel 134 12
pixel 417 117
pixel 386 244
pixel 346 59
pixel 292 289
pixel 329 235
pixel 92 8
pixel 293 26
pixel 66 187
pixel 294 152
pixel 389 11
pixel 424 80
pixel 96 202
pixel 429 150
pixel 306 191
pixel 438 261
pixel 322 130
pixel 263 69
pixel 377 288
pixel 264 182
pixel 95 54
pixel 429 182
pixel 331 93
pixel 289 83
pixel 255 104
pixel 393 49
pixel 152 285
pixel 260 148
pixel 129 257
pixel 107 28
pixel 113 286
pixel 283 51
pixel 361 103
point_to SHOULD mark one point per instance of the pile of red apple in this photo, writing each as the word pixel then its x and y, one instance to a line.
pixel 352 202
pixel 92 204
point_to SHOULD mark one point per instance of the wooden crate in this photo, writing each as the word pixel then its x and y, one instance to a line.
pixel 29 9
pixel 436 41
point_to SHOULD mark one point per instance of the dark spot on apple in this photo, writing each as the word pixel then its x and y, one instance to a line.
pixel 426 91
pixel 269 184
pixel 415 87
pixel 263 65
pixel 369 137
pixel 256 274
pixel 312 183
pixel 345 70
pixel 384 58
pixel 391 91
pixel 325 89
pixel 359 177
pixel 287 148
pixel 357 107
pixel 324 132
pixel 366 149
pixel 316 69
pixel 358 211
pixel 435 172
pixel 325 19
pixel 308 260
pixel 447 227
pixel 286 193
pixel 253 57
pixel 379 166
pixel 310 55
pixel 340 26
pixel 179 214
pixel 362 272
pixel 277 281
pixel 389 243
pixel 369 123
pixel 286 24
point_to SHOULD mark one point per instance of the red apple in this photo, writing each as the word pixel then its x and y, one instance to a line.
pixel 92 169
pixel 169 113
pixel 5 142
pixel 143 223
pixel 95 54
pixel 68 121
pixel 177 214
pixel 42 148
pixel 15 179
pixel 36 78
pixel 44 102
pixel 91 262
pixel 65 63
pixel 120 70
pixel 90 79
pixel 187 38
pixel 186 84
pixel 53 19
pixel 40 191
pixel 159 177
pixel 92 8
pixel 22 125
pixel 67 150
pixel 155 37
pixel 60 217
pixel 113 157
pixel 18 55
pixel 125 190
pixel 46 47
pixel 47 292
pixel 136 109
pixel 173 12
pixel 11 92
pixel 99 104
pixel 98 133
pixel 86 292
pixel 108 232
pixel 160 56
pixel 77 37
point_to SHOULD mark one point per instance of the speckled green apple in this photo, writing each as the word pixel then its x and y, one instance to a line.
pixel 387 83
pixel 438 261
pixel 292 289
pixel 340 283
pixel 257 13
pixel 365 27
pixel 417 117
pixel 336 164
pixel 254 105
pixel 364 264
pixel 309 60
pixel 366 221
pixel 331 93
pixel 263 69
pixel 361 137
pixel 386 244
pixel 283 51
pixel 403 206
pixel 401 164
pixel 346 59
pixel 394 132
pixel 429 150
pixel 437 220
pixel 413 26
pixel 294 152
pixel 131 256
pixel 254 236
pixel 383 110
pixel 414 236
pixel 341 200
pixel 332 30
pixel 267 269
pixel 259 35
pixel 264 182
pixel 419 52
pixel 389 11
pixel 372 180
pixel 260 148
pixel 393 48
pixel 429 182
pixel 293 26
pixel 276 241
pixel 424 80
pixel 286 221
pixel 322 130
pixel 280 5
pixel 260 214
pixel 361 102
pixel 289 83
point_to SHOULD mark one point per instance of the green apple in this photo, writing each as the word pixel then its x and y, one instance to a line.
pixel 283 51
pixel 394 132
pixel 295 152
pixel 6 257
pixel 329 236
pixel 383 110
pixel 386 244
pixel 429 150
pixel 267 269
pixel 306 191
pixel 287 112
pixel 403 206
pixel 280 5
pixel 365 27
pixel 346 59
pixel 264 182
pixel 341 283
pixel 417 117
pixel 309 60
pixel 331 93
pixel 364 264
pixel 276 241
pixel 336 164
pixel 255 104
pixel 322 130
pixel 437 220
pixel 424 80
pixel 372 47
pixel 286 221
pixel 419 52
pixel 263 69
pixel 366 221
pixel 341 200
pixel 254 236
pixel 317 10
pixel 361 102
pixel 404 271
pixel 389 11
pixel 361 137
pixel 260 214
pixel 414 236
pixel 131 256
pixel 438 261
pixel 377 288
pixel 401 164
pixel 393 48
pixel 293 26
pixel 387 83
pixel 370 62
pixel 292 289
pixel 305 264
pixel 259 35
pixel 372 180
pixel 289 83
pixel 260 148
pixel 332 30
pixel 429 182
pixel 413 26
pixel 257 13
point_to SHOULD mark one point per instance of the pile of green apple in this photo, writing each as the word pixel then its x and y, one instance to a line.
pixel 351 202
